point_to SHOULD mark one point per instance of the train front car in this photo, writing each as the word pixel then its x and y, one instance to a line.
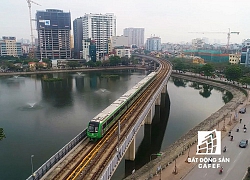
pixel 93 130
pixel 101 123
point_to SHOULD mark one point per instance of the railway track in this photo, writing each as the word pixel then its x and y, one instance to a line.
pixel 92 158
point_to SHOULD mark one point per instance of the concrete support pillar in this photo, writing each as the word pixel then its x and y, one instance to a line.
pixel 164 89
pixel 148 119
pixel 130 153
pixel 157 116
pixel 154 65
pixel 150 115
pixel 163 100
pixel 153 112
pixel 158 100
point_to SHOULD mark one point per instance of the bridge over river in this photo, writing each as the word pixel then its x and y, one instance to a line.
pixel 82 159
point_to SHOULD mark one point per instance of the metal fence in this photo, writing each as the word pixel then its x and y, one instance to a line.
pixel 39 173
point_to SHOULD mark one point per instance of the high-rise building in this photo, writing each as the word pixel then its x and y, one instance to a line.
pixel 9 47
pixel 100 28
pixel 153 44
pixel 53 27
pixel 135 36
pixel 245 53
pixel 89 50
pixel 77 29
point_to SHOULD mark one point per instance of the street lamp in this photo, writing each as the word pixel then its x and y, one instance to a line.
pixel 157 154
pixel 31 165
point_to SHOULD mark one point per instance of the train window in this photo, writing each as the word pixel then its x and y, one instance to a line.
pixel 110 119
pixel 93 126
pixel 116 113
pixel 104 125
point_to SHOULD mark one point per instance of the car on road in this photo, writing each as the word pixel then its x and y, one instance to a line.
pixel 243 143
pixel 242 110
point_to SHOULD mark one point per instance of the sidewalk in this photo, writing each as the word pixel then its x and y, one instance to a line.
pixel 182 168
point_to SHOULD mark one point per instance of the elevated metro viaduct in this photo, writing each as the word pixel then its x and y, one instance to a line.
pixel 127 146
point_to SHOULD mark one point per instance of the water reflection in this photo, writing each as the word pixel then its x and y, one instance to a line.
pixel 14 81
pixel 195 85
pixel 2 135
pixel 204 89
pixel 179 82
pixel 93 81
pixel 58 93
pixel 227 96
pixel 79 81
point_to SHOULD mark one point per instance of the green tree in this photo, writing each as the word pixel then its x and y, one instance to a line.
pixel 196 68
pixel 178 64
pixel 105 63
pixel 114 60
pixel 124 60
pixel 245 81
pixel 98 63
pixel 133 61
pixel 91 64
pixel 48 61
pixel 73 64
pixel 208 70
pixel 2 135
pixel 233 72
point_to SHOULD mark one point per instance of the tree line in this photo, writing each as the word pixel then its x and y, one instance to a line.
pixel 15 64
pixel 232 72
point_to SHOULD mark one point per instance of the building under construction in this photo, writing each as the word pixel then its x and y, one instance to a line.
pixel 208 55
pixel 53 27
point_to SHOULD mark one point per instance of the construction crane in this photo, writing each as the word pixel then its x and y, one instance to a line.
pixel 31 29
pixel 228 35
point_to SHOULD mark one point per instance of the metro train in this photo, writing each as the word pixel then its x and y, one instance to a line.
pixel 101 123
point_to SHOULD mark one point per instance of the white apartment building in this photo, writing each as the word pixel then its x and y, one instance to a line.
pixel 153 44
pixel 116 41
pixel 100 28
pixel 135 36
pixel 123 51
pixel 85 49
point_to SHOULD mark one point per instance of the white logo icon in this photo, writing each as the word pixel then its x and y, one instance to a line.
pixel 47 22
pixel 209 142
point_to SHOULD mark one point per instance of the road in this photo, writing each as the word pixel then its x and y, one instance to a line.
pixel 239 162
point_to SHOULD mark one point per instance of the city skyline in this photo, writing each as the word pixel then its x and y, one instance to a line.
pixel 170 20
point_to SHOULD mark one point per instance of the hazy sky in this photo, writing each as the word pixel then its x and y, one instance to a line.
pixel 172 20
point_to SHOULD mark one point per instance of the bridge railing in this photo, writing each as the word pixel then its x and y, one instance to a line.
pixel 38 174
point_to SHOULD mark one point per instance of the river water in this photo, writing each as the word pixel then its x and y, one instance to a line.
pixel 40 117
